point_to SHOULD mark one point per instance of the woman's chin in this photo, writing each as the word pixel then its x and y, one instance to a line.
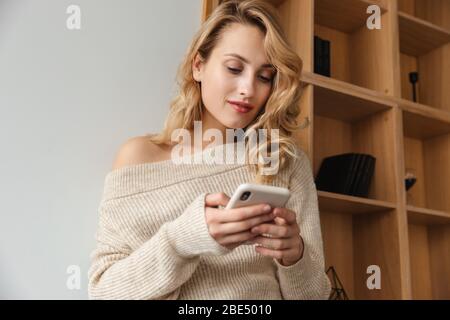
pixel 235 123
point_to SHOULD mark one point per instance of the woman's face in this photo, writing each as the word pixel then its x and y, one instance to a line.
pixel 237 70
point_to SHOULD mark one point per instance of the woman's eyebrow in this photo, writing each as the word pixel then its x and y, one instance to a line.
pixel 267 65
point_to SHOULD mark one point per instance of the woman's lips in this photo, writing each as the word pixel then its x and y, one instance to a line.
pixel 240 109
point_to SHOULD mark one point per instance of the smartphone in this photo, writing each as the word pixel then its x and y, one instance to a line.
pixel 250 194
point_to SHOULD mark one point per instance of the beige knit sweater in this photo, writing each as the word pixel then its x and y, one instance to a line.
pixel 153 241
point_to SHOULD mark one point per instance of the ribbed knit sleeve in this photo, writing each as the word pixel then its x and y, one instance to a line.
pixel 306 279
pixel 158 268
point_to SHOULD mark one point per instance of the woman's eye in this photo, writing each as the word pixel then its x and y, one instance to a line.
pixel 233 70
pixel 236 71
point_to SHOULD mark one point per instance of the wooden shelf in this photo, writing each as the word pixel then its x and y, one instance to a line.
pixel 335 202
pixel 418 37
pixel 341 106
pixel 356 234
pixel 429 245
pixel 434 76
pixel 356 53
pixel 347 88
pixel 434 11
pixel 343 15
pixel 344 101
pixel 345 118
pixel 425 216
pixel 426 143
pixel 423 122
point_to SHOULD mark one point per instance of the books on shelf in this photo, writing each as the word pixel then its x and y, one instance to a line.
pixel 348 173
pixel 322 56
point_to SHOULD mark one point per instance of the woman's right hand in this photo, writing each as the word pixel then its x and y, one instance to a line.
pixel 231 228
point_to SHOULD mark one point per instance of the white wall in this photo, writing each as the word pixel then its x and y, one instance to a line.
pixel 68 99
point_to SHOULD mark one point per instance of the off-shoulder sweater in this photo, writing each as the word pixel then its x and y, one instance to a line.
pixel 152 240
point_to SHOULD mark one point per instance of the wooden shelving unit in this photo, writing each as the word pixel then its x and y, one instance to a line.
pixel 424 33
pixel 366 106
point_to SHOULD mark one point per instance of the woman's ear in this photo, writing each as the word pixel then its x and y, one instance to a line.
pixel 197 68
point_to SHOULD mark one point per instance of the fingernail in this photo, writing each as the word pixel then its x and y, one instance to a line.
pixel 267 208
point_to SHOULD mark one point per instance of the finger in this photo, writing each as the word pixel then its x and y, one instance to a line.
pixel 273 230
pixel 272 243
pixel 280 221
pixel 234 227
pixel 237 237
pixel 277 254
pixel 244 213
pixel 286 214
pixel 216 199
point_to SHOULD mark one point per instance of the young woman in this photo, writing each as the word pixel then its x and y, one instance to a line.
pixel 163 231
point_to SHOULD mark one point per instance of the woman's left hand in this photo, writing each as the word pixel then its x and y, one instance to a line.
pixel 281 240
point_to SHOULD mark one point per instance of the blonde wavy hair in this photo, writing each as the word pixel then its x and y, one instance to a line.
pixel 281 109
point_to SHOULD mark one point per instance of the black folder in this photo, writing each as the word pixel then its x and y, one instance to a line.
pixel 362 190
pixel 348 173
pixel 322 56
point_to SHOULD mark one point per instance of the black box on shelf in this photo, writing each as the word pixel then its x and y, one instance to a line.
pixel 322 56
pixel 348 173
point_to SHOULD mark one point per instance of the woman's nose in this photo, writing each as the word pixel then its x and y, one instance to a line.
pixel 247 86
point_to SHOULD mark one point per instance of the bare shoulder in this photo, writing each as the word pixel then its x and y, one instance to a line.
pixel 139 150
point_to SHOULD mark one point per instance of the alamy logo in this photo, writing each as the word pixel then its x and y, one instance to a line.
pixel 374 21
pixel 374 281
pixel 73 22
pixel 74 279
pixel 230 152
